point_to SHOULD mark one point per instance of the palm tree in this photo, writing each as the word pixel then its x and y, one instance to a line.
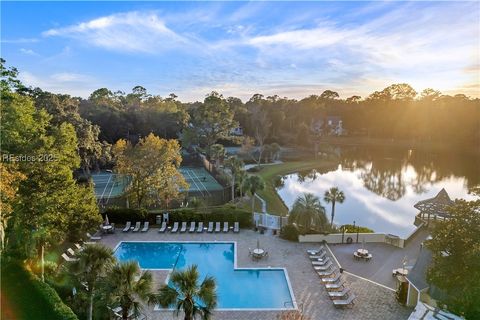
pixel 128 286
pixel 253 184
pixel 333 195
pixel 92 265
pixel 307 211
pixel 236 166
pixel 187 294
pixel 240 179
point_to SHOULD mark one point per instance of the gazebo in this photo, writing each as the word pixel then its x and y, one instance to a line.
pixel 436 207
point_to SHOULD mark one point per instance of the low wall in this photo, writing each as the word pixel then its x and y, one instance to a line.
pixel 337 238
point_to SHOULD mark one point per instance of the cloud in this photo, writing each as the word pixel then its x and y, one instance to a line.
pixel 28 52
pixel 127 32
pixel 20 40
pixel 72 83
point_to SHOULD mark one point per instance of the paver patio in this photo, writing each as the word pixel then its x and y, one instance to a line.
pixel 373 302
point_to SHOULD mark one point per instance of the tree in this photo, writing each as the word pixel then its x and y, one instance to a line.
pixel 93 264
pixel 333 195
pixel 152 167
pixel 307 211
pixel 329 95
pixel 216 153
pixel 253 184
pixel 456 242
pixel 127 287
pixel 261 124
pixel 187 294
pixel 303 135
pixel 235 165
pixel 212 120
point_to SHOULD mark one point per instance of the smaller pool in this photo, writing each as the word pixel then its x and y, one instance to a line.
pixel 236 288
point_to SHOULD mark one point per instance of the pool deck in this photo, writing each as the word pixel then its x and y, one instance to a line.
pixel 373 301
pixel 385 258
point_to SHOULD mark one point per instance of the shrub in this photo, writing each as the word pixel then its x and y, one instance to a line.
pixel 61 310
pixel 289 232
pixel 122 215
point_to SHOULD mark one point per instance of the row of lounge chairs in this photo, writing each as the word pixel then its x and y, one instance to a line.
pixel 128 227
pixel 331 277
pixel 199 228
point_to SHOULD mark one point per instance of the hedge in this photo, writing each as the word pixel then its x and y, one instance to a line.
pixel 289 232
pixel 225 213
pixel 30 297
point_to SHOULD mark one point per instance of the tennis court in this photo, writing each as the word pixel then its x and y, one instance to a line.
pixel 200 181
pixel 108 185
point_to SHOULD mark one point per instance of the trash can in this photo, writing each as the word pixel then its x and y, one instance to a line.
pixel 158 219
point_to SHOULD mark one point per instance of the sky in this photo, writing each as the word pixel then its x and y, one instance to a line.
pixel 292 49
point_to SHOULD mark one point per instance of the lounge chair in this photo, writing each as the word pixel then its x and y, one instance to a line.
pixel 319 263
pixel 184 227
pixel 210 227
pixel 200 227
pixel 236 227
pixel 334 286
pixel 137 226
pixel 225 227
pixel 338 294
pixel 145 226
pixel 344 303
pixel 174 228
pixel 217 227
pixel 192 227
pixel 78 246
pixel 327 273
pixel 331 280
pixel 313 252
pixel 93 238
pixel 127 226
pixel 163 227
pixel 67 258
pixel 318 257
pixel 70 250
pixel 323 268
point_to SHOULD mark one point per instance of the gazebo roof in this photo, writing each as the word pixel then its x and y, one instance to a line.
pixel 437 205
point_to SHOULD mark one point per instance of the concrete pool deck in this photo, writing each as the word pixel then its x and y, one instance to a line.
pixel 373 301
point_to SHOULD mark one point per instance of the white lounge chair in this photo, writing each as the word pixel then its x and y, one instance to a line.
pixel 318 257
pixel 163 227
pixel 338 294
pixel 175 228
pixel 236 227
pixel 137 227
pixel 127 226
pixel 313 252
pixel 200 227
pixel 334 286
pixel 70 250
pixel 184 227
pixel 78 246
pixel 94 238
pixel 225 227
pixel 331 280
pixel 145 226
pixel 210 227
pixel 192 227
pixel 328 273
pixel 321 262
pixel 323 268
pixel 344 303
pixel 217 227
pixel 67 258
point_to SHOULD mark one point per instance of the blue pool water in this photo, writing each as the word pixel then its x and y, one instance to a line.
pixel 236 288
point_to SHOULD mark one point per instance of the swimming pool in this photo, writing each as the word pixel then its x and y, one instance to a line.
pixel 263 288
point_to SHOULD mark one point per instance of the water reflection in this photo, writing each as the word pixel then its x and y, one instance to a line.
pixel 382 185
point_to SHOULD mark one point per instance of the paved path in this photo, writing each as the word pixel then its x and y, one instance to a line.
pixel 373 302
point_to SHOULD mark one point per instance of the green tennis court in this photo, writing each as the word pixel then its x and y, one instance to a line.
pixel 110 185
pixel 200 181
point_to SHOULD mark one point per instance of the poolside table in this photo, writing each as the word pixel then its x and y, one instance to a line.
pixel 362 252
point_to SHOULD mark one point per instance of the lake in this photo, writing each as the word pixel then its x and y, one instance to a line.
pixel 381 185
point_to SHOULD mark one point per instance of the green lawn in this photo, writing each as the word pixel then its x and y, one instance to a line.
pixel 269 173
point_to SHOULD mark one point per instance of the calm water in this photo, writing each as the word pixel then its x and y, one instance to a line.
pixel 381 186
pixel 241 288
